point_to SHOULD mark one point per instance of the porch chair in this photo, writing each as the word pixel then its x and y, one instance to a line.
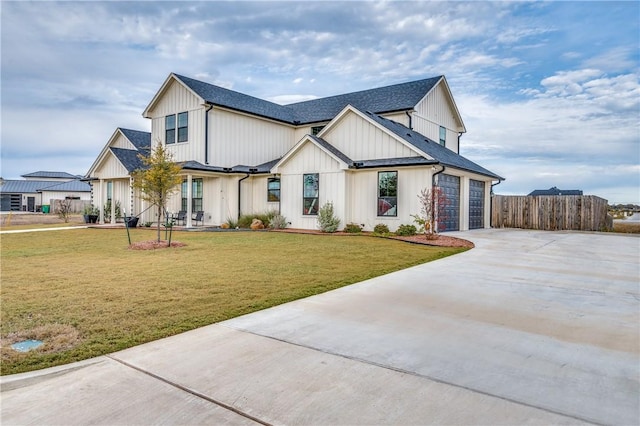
pixel 181 217
pixel 199 217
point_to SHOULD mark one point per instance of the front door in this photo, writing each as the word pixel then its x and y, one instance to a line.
pixel 31 204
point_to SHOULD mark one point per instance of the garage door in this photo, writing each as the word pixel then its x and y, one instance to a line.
pixel 476 204
pixel 450 185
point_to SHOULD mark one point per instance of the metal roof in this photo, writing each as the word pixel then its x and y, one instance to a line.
pixel 50 175
pixel 33 186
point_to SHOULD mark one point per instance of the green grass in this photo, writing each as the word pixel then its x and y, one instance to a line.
pixel 88 280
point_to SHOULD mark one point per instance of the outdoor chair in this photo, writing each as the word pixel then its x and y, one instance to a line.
pixel 181 217
pixel 199 217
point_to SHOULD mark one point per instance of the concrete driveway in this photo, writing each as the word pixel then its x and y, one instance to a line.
pixel 527 328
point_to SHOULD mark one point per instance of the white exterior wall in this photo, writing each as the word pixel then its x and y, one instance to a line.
pixel 363 198
pixel 236 138
pixel 47 196
pixel 398 117
pixel 177 99
pixel 433 111
pixel 332 185
pixel 122 142
pixel 111 168
pixel 254 196
pixel 358 139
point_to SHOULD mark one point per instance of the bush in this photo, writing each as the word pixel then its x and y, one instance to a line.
pixel 381 229
pixel 406 230
pixel 352 228
pixel 278 222
pixel 231 223
pixel 327 222
pixel 245 220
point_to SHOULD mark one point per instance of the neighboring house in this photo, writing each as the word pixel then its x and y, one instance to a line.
pixel 38 189
pixel 555 191
pixel 370 153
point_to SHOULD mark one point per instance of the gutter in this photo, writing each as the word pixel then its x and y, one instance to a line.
pixel 206 132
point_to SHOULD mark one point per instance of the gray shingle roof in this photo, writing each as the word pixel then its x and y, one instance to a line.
pixel 443 155
pixel 50 175
pixel 335 151
pixel 555 191
pixel 394 162
pixel 128 158
pixel 260 168
pixel 141 140
pixel 33 186
pixel 238 101
pixel 397 97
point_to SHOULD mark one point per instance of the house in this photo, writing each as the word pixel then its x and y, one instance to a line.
pixel 370 153
pixel 38 190
pixel 555 191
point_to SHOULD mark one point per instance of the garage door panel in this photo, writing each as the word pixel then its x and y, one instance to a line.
pixel 450 186
pixel 476 204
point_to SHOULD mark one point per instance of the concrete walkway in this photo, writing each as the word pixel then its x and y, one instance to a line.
pixel 527 328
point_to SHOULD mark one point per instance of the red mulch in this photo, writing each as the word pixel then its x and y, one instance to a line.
pixel 152 245
pixel 441 241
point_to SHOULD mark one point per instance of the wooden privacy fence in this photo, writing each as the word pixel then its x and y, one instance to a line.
pixel 77 206
pixel 551 212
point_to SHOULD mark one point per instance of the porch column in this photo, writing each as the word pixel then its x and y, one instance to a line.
pixel 189 200
pixel 100 204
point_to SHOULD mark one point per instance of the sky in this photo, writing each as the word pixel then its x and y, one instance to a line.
pixel 549 92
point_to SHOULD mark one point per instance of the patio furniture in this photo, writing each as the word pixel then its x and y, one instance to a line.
pixel 199 217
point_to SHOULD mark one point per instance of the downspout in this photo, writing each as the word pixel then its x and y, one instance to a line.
pixel 206 132
pixel 240 193
pixel 491 203
pixel 459 136
pixel 409 115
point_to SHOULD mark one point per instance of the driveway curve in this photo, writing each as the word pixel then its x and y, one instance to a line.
pixel 529 327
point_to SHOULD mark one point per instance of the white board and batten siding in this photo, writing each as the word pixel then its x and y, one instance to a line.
pixel 331 186
pixel 358 139
pixel 363 196
pixel 175 100
pixel 255 196
pixel 436 110
pixel 236 138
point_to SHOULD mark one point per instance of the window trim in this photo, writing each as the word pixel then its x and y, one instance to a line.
pixel 271 191
pixel 381 199
pixel 314 205
pixel 180 134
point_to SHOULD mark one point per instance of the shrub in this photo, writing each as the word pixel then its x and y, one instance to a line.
pixel 406 230
pixel 231 223
pixel 278 222
pixel 352 228
pixel 381 229
pixel 245 220
pixel 327 221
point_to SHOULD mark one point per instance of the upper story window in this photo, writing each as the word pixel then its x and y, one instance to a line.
pixel 176 128
pixel 387 193
pixel 443 136
pixel 273 189
pixel 310 193
pixel 316 129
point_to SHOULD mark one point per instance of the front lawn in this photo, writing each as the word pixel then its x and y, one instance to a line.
pixel 84 293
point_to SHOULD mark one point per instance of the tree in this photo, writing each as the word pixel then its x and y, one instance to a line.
pixel 64 209
pixel 158 180
pixel 432 212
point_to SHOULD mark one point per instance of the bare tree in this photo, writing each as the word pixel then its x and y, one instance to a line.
pixel 432 215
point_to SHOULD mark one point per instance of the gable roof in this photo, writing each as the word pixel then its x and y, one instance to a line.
pixel 129 158
pixel 396 97
pixel 141 140
pixel 432 149
pixel 50 175
pixel 325 146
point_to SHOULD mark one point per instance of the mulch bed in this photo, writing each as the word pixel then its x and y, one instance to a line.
pixel 442 241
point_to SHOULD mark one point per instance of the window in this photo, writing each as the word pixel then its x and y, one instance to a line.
pixel 273 189
pixel 387 193
pixel 182 128
pixel 196 195
pixel 316 129
pixel 310 193
pixel 109 191
pixel 443 136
